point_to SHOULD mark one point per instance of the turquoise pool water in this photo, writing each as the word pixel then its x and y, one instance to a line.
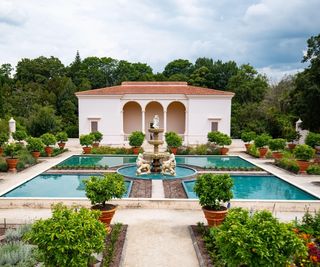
pixel 200 161
pixel 214 161
pixel 57 186
pixel 259 187
pixel 98 161
pixel 181 172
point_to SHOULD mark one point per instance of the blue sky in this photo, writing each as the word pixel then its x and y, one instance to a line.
pixel 269 34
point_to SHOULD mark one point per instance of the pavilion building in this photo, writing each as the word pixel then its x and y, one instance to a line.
pixel 190 111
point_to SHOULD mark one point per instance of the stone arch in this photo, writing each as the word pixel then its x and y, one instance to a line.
pixel 176 117
pixel 132 117
pixel 153 108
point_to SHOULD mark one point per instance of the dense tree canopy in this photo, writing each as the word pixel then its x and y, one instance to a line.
pixel 41 93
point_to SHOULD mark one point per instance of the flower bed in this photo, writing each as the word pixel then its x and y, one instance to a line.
pixel 56 152
pixel 258 239
pixel 216 168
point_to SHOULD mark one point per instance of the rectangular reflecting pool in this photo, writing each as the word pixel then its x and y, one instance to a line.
pixel 56 186
pixel 199 161
pixel 214 161
pixel 262 187
pixel 110 161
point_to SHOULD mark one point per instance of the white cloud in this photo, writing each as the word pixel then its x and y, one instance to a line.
pixel 264 33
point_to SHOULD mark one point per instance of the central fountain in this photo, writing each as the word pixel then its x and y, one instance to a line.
pixel 156 164
pixel 151 161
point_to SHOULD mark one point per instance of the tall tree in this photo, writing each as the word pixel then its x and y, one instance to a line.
pixel 178 66
pixel 306 96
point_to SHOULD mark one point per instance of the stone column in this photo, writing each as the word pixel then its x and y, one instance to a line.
pixel 122 125
pixel 186 125
pixel 143 121
pixel 164 122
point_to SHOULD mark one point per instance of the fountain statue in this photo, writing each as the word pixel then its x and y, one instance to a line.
pixel 152 161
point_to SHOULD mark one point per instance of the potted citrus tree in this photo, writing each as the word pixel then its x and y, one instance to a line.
pixel 49 140
pixel 303 154
pixel 19 136
pixel 213 137
pixel 3 139
pixel 86 140
pixel 277 145
pixel 173 141
pixel 35 145
pixel 291 135
pixel 261 141
pixel 62 138
pixel 97 138
pixel 247 137
pixel 224 140
pixel 11 151
pixel 99 190
pixel 136 140
pixel 213 190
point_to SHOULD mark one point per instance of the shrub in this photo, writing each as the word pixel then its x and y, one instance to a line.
pixel 69 237
pixel 173 139
pixel 25 157
pixel 100 190
pixel 86 139
pixel 34 144
pixel 277 144
pixel 224 140
pixel 17 254
pixel 3 138
pixel 257 240
pixel 12 235
pixel 313 139
pixel 310 224
pixel 247 137
pixel 19 135
pixel 253 151
pixel 136 139
pixel 213 136
pixel 262 140
pixel 48 139
pixel 314 169
pixel 288 164
pixel 62 137
pixel 97 136
pixel 72 131
pixel 213 189
pixel 290 134
pixel 11 150
pixel 303 152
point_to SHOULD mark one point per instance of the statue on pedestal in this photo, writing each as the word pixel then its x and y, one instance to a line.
pixel 143 166
pixel 156 122
pixel 168 166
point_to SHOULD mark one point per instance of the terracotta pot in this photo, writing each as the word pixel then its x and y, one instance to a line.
pixel 61 145
pixel 277 155
pixel 215 217
pixel 1 151
pixel 48 150
pixel 291 146
pixel 106 215
pixel 12 164
pixel 262 152
pixel 224 150
pixel 303 165
pixel 35 154
pixel 247 146
pixel 86 149
pixel 174 150
pixel 136 150
pixel 95 144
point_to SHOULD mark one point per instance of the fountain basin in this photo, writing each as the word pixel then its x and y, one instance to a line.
pixel 155 142
pixel 181 172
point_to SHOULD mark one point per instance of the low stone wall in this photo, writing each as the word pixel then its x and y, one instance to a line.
pixel 180 204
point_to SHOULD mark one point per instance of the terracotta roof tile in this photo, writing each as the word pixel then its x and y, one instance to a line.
pixel 154 88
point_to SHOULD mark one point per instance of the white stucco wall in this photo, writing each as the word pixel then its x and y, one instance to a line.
pixel 203 110
pixel 108 114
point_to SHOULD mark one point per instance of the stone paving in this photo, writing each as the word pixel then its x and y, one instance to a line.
pixel 156 237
